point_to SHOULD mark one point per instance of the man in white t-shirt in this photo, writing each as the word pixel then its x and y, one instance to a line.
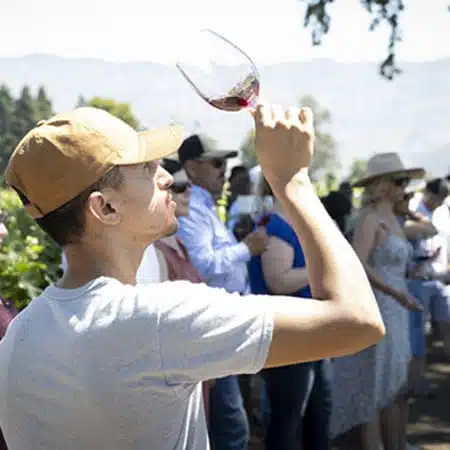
pixel 98 362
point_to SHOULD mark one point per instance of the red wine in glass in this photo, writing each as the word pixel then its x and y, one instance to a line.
pixel 220 72
pixel 244 95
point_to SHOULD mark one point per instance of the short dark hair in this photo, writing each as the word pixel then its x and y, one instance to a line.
pixel 438 187
pixel 236 170
pixel 65 225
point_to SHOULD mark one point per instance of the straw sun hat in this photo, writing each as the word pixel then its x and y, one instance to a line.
pixel 390 164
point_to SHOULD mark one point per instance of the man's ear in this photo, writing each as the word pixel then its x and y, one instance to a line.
pixel 103 207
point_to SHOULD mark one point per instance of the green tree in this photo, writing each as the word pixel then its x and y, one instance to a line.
pixel 25 114
pixel 325 155
pixel 81 101
pixel 387 12
pixel 44 109
pixel 29 259
pixel 7 137
pixel 248 150
pixel 121 110
pixel 357 170
pixel 331 181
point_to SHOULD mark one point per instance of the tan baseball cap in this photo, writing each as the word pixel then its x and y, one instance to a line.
pixel 64 155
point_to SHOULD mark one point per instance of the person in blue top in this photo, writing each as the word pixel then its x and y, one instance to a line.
pixel 299 394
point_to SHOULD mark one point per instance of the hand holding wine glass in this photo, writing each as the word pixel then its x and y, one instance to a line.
pixel 225 76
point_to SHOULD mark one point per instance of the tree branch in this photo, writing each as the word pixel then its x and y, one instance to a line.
pixel 382 11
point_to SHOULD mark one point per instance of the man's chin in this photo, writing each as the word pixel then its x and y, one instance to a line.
pixel 172 230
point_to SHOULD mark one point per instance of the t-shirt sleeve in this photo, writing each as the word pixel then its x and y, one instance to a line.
pixel 207 333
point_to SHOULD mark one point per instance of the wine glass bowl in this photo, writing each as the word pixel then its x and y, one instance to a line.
pixel 219 71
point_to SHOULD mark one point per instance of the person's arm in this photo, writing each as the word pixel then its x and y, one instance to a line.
pixel 205 333
pixel 197 235
pixel 346 318
pixel 415 229
pixel 364 240
pixel 279 275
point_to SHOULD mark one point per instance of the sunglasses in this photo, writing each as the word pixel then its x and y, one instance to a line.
pixel 180 187
pixel 218 163
pixel 401 182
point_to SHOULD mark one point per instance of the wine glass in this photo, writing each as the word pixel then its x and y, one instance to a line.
pixel 219 71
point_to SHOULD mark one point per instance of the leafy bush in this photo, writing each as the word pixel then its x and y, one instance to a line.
pixel 29 259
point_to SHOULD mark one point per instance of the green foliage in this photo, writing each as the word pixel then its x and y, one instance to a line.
pixel 357 170
pixel 81 101
pixel 325 155
pixel 317 17
pixel 222 203
pixel 7 137
pixel 18 116
pixel 24 113
pixel 29 260
pixel 121 110
pixel 248 150
pixel 387 12
pixel 43 105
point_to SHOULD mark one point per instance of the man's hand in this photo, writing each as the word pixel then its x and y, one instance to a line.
pixel 257 241
pixel 284 143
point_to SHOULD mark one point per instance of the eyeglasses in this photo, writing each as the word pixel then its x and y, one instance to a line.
pixel 181 187
pixel 218 163
pixel 401 182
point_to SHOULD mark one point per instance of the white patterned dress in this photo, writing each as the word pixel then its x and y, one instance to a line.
pixel 371 379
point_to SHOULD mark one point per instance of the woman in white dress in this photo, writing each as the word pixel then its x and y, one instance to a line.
pixel 369 392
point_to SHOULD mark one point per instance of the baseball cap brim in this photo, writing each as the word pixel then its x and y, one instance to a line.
pixel 217 154
pixel 156 144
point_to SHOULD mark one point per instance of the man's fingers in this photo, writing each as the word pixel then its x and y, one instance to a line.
pixel 306 118
pixel 292 114
pixel 263 115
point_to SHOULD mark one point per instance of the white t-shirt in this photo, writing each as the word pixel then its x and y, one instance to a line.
pixel 117 367
pixel 149 270
pixel 63 262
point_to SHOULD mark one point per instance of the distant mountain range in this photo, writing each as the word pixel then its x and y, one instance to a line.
pixel 410 115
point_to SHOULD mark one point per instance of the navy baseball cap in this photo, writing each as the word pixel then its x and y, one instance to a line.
pixel 195 148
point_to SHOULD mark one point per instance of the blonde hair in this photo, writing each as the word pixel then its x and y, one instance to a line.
pixel 374 191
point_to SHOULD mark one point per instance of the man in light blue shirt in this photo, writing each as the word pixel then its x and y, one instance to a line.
pixel 221 261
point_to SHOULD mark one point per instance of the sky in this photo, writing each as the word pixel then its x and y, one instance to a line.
pixel 268 30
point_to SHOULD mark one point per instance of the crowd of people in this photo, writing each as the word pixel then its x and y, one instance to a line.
pixel 400 231
pixel 166 314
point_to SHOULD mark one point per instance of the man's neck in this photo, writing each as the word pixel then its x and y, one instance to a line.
pixel 87 262
pixel 214 196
